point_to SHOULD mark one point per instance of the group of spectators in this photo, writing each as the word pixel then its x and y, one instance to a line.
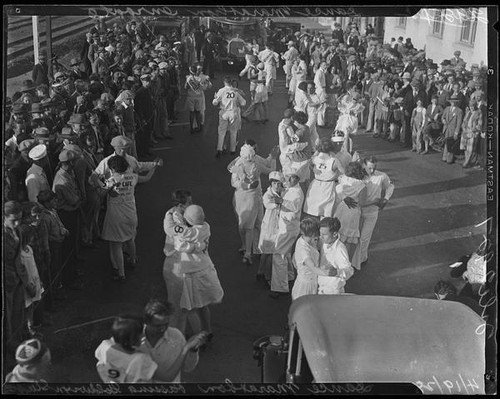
pixel 78 142
pixel 406 97
pixel 76 145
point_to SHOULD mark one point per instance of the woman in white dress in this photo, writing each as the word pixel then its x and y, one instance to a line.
pixel 201 285
pixel 269 228
pixel 306 260
pixel 315 105
pixel 351 185
pixel 292 87
pixel 172 275
pixel 258 110
pixel 301 72
pixel 320 197
pixel 299 159
pixel 120 222
pixel 349 108
pixel 247 200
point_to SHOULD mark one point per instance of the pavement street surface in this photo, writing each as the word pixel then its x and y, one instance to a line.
pixel 427 225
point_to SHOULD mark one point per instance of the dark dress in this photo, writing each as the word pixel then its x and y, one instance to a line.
pixel 14 279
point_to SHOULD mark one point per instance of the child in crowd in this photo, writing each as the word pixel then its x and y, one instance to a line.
pixel 396 119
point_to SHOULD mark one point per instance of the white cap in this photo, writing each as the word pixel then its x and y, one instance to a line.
pixel 194 215
pixel 38 152
pixel 162 65
pixel 276 176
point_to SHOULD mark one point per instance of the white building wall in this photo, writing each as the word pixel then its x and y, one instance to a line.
pixel 420 29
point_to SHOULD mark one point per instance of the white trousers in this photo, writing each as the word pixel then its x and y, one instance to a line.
pixel 282 272
pixel 369 216
pixel 226 123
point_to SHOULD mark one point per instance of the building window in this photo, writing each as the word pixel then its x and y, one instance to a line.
pixel 469 26
pixel 402 22
pixel 438 24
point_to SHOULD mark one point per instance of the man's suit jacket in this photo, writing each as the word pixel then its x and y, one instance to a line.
pixel 452 121
pixel 40 74
pixel 338 34
pixel 433 118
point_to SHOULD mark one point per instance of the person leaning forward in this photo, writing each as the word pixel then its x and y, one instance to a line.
pixel 120 145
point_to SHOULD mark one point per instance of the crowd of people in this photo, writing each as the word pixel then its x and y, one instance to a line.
pixel 78 142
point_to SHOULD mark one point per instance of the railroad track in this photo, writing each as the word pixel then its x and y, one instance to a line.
pixel 20 36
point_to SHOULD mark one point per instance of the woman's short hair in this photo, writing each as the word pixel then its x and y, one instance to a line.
pixel 371 159
pixel 325 145
pixel 309 227
pixel 127 330
pixel 333 224
pixel 156 307
pixel 355 170
pixel 180 196
pixel 118 163
pixel 300 117
pixel 250 142
pixel 302 86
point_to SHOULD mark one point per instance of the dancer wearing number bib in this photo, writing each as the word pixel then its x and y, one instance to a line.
pixel 201 285
pixel 230 102
pixel 320 196
pixel 118 360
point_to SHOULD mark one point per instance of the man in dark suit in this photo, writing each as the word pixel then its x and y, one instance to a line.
pixel 338 33
pixel 352 73
pixel 457 60
pixel 145 110
pixel 409 103
pixel 76 72
pixel 408 66
pixel 209 52
pixel 442 95
pixel 462 101
pixel 353 39
pixel 452 124
pixel 40 74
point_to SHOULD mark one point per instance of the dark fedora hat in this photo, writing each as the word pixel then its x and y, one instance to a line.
pixel 27 85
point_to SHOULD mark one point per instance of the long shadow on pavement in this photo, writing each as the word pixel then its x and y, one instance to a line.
pixel 469 180
pixel 394 271
pixel 413 221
